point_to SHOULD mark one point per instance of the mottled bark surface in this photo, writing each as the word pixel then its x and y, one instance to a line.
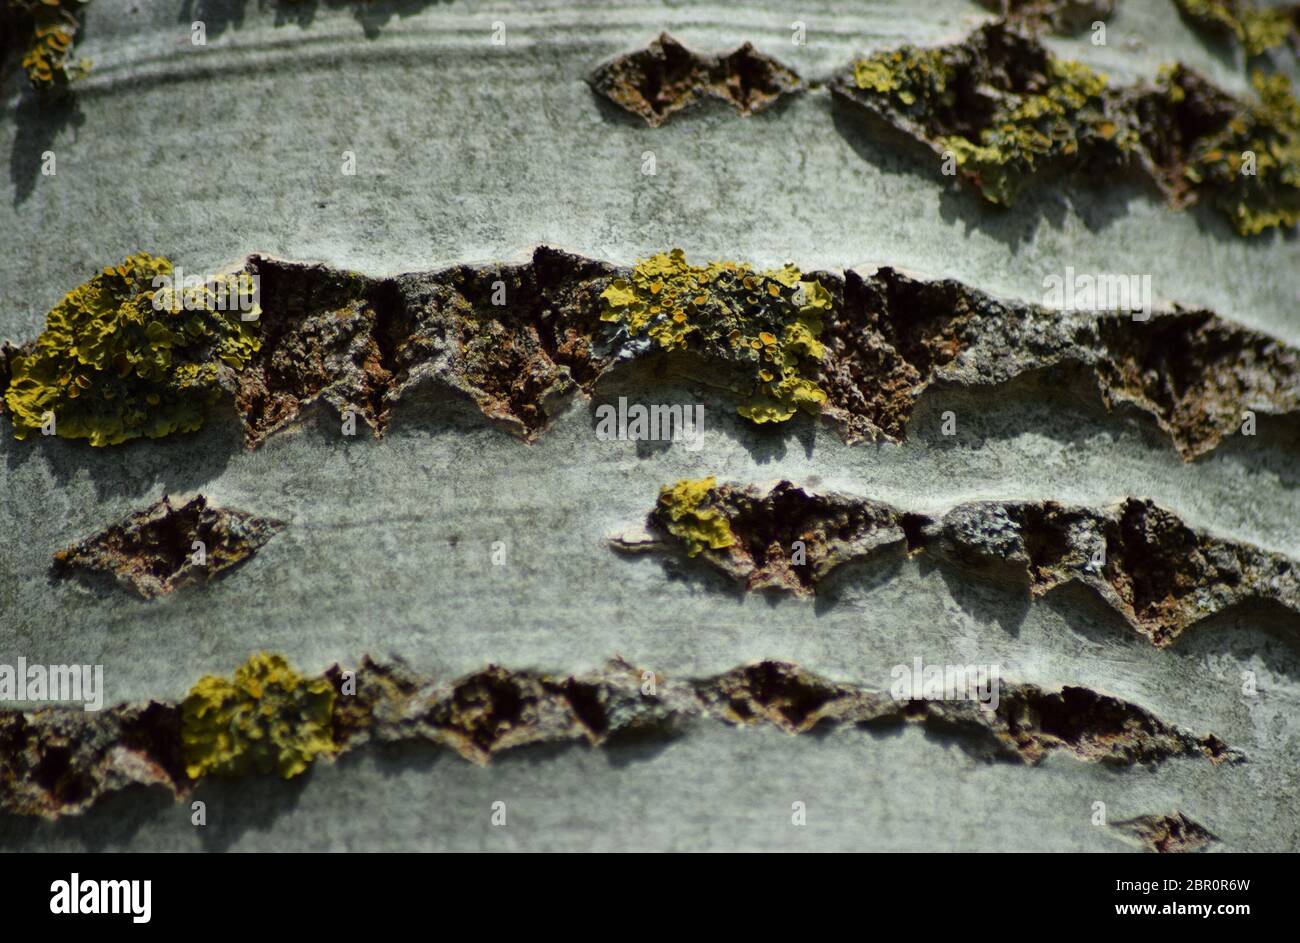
pixel 976 445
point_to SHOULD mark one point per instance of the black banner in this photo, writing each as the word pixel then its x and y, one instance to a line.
pixel 339 892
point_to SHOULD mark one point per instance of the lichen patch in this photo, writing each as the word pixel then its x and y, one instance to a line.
pixel 1158 574
pixel 269 719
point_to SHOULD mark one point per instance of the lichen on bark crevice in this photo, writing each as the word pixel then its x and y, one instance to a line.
pixel 1257 28
pixel 123 357
pixel 519 339
pixel 1161 576
pixel 1001 111
pixel 43 31
pixel 269 719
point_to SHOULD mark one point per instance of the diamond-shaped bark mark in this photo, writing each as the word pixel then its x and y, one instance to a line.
pixel 1094 726
pixel 1161 576
pixel 326 340
pixel 666 77
pixel 164 546
pixel 61 761
pixel 777 692
pixel 1174 833
pixel 498 709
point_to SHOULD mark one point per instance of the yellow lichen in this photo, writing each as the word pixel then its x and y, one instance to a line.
pixel 767 322
pixel 999 106
pixel 1265 192
pixel 683 511
pixel 1032 129
pixel 121 358
pixel 1001 109
pixel 1257 28
pixel 53 24
pixel 910 74
pixel 267 718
